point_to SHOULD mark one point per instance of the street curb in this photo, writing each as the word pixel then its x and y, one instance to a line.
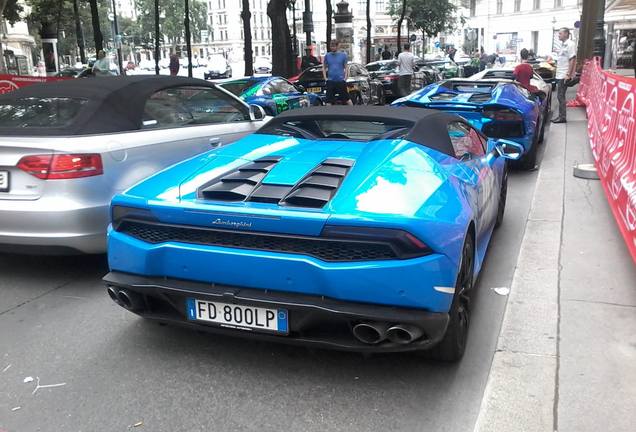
pixel 521 393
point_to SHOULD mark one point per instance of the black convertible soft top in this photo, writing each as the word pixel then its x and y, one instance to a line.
pixel 426 127
pixel 115 104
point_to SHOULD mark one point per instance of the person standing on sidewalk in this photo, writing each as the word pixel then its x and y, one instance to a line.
pixel 174 64
pixel 334 71
pixel 565 70
pixel 406 67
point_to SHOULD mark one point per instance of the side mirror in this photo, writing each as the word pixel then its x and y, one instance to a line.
pixel 257 112
pixel 509 149
pixel 300 88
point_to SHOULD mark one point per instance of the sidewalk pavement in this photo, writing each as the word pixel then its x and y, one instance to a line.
pixel 566 355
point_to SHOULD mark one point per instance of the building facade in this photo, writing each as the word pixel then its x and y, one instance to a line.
pixel 507 26
pixel 225 34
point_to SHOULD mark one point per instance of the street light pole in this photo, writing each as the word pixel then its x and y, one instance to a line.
pixel 186 22
pixel 157 37
pixel 307 23
pixel 116 39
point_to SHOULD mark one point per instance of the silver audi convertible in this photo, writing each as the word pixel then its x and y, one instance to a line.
pixel 66 148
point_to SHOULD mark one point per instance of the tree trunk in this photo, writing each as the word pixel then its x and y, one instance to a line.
pixel 369 59
pixel 400 21
pixel 79 32
pixel 97 32
pixel 246 15
pixel 329 23
pixel 282 59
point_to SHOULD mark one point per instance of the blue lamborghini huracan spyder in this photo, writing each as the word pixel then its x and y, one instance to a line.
pixel 499 108
pixel 350 228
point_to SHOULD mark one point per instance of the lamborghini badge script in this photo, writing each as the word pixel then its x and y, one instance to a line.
pixel 232 224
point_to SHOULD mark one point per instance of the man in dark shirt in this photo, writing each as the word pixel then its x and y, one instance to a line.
pixel 386 54
pixel 308 60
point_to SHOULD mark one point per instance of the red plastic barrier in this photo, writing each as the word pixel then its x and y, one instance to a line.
pixel 12 82
pixel 610 101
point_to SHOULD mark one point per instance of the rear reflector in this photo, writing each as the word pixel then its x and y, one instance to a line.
pixel 62 166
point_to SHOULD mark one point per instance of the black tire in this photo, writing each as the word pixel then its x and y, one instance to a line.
pixel 356 98
pixel 503 193
pixel 452 347
pixel 545 116
pixel 529 160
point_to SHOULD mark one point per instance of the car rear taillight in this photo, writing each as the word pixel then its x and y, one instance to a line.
pixel 392 77
pixel 62 166
pixel 503 114
pixel 404 244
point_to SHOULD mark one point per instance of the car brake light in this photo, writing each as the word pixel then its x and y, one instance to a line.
pixel 62 166
pixel 504 114
pixel 392 77
pixel 403 243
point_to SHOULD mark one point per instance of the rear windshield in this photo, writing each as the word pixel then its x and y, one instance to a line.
pixel 34 112
pixel 506 74
pixel 313 74
pixel 339 129
pixel 377 67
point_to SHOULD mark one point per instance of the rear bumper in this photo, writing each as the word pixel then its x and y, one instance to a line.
pixel 314 321
pixel 52 226
pixel 420 283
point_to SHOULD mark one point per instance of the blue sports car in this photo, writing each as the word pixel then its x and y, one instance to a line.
pixel 499 108
pixel 273 94
pixel 349 228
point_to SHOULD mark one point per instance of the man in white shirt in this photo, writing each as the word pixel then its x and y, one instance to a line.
pixel 406 67
pixel 565 70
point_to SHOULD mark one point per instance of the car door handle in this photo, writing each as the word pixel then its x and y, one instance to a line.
pixel 215 142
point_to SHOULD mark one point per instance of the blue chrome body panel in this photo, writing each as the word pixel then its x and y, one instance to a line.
pixel 507 95
pixel 392 184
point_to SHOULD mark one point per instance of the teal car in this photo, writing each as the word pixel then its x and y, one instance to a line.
pixel 273 94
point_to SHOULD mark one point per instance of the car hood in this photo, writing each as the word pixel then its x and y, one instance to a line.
pixel 389 183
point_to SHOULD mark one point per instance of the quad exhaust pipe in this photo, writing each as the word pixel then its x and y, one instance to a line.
pixel 375 332
pixel 370 332
pixel 403 333
pixel 125 298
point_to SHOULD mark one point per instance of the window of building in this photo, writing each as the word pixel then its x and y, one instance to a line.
pixel 499 7
pixel 558 3
pixel 262 34
pixel 362 7
pixel 536 5
pixel 256 51
pixel 473 7
pixel 517 5
pixel 380 6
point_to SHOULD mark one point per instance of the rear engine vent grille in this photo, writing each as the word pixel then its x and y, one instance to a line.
pixel 246 184
pixel 238 185
pixel 480 97
pixel 320 185
pixel 321 248
pixel 443 96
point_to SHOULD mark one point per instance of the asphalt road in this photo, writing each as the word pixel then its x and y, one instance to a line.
pixel 57 323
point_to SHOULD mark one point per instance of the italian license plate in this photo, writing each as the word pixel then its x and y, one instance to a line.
pixel 314 89
pixel 4 181
pixel 238 316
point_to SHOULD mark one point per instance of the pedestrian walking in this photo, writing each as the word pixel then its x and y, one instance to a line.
pixel 406 67
pixel 483 59
pixel 334 71
pixel 386 54
pixel 101 67
pixel 174 64
pixel 565 70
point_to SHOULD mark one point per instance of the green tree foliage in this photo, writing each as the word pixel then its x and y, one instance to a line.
pixel 429 16
pixel 171 23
